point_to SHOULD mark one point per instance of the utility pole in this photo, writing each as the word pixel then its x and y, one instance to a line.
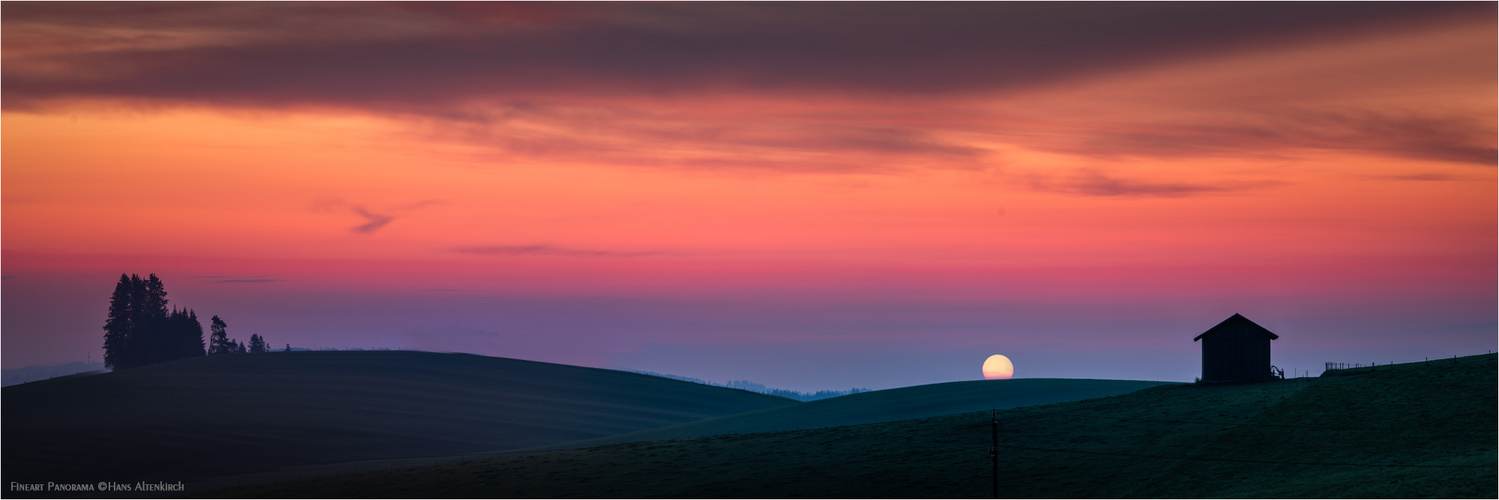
pixel 994 449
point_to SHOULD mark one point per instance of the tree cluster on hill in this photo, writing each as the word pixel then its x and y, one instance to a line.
pixel 787 393
pixel 141 331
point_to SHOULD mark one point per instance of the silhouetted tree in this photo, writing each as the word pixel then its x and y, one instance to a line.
pixel 117 328
pixel 186 334
pixel 257 344
pixel 150 339
pixel 288 348
pixel 240 348
pixel 218 339
pixel 193 336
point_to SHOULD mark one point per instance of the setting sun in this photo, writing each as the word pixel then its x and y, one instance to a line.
pixel 998 367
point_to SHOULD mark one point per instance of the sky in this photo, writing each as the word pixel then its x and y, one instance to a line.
pixel 805 195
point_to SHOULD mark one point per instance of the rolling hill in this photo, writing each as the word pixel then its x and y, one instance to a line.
pixel 888 405
pixel 1420 430
pixel 206 417
pixel 868 407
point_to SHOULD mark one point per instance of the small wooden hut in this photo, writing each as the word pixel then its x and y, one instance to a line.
pixel 1237 350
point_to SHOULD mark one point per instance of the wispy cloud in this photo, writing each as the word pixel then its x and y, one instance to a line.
pixel 545 250
pixel 248 280
pixel 1265 130
pixel 707 134
pixel 376 221
pixel 1423 177
pixel 1095 183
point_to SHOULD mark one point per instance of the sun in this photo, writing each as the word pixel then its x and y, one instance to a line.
pixel 998 367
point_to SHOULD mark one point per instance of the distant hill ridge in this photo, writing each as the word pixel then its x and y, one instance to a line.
pixel 13 376
pixel 760 388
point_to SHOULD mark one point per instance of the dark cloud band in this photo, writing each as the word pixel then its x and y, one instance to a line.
pixel 387 55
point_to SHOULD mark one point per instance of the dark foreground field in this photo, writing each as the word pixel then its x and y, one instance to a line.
pixel 888 405
pixel 200 418
pixel 253 419
pixel 1415 430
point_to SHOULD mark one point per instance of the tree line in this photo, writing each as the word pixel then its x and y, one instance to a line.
pixel 141 331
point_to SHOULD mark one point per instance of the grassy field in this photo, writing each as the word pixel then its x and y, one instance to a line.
pixel 207 417
pixel 889 405
pixel 877 406
pixel 1410 431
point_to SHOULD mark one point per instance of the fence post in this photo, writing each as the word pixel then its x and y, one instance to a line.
pixel 994 454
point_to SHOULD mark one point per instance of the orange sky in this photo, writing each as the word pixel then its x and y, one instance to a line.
pixel 1332 160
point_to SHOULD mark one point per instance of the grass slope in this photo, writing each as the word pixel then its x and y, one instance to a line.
pixel 1416 430
pixel 888 406
pixel 879 406
pixel 206 417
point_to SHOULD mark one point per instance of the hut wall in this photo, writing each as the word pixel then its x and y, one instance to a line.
pixel 1235 354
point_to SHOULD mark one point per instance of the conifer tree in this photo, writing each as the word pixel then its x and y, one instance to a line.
pixel 157 335
pixel 257 344
pixel 148 341
pixel 218 339
pixel 185 333
pixel 136 340
pixel 117 327
pixel 193 336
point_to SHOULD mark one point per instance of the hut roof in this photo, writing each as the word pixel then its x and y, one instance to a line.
pixel 1234 322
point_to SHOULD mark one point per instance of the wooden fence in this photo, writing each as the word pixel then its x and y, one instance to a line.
pixel 1329 366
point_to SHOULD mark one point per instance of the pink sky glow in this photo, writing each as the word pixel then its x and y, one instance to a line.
pixel 809 196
